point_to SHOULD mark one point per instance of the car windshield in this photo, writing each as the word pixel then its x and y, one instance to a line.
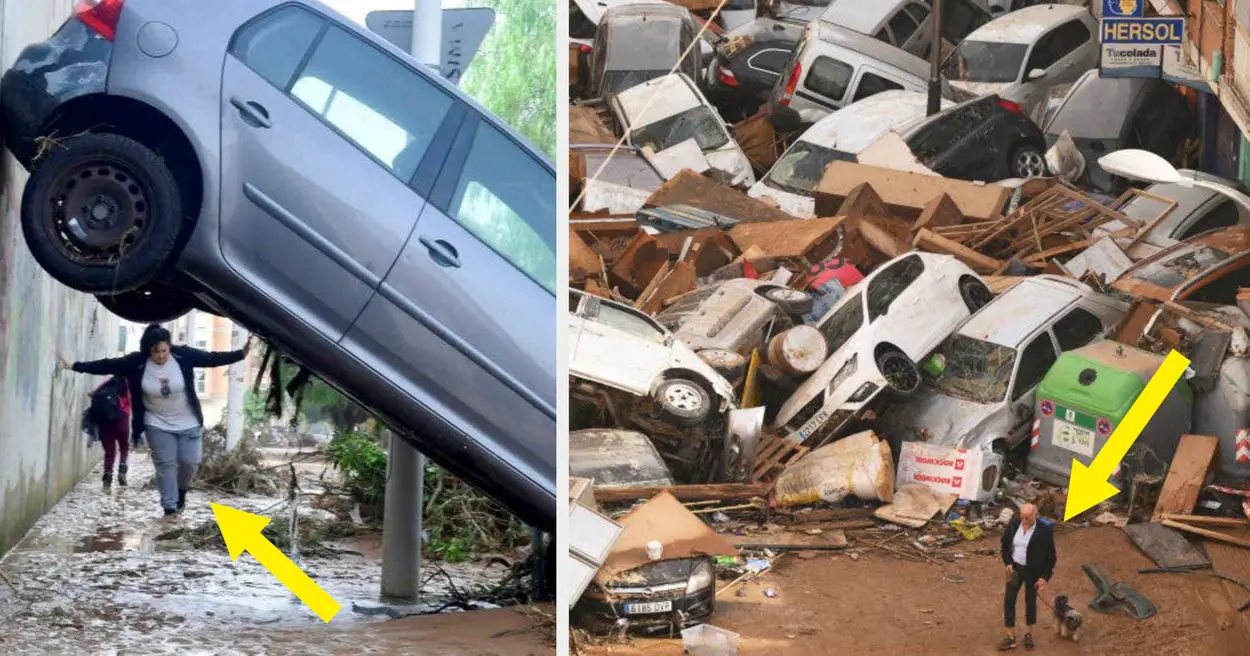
pixel 629 322
pixel 810 3
pixel 979 61
pixel 618 81
pixel 976 370
pixel 799 170
pixel 698 123
pixel 839 327
pixel 1171 271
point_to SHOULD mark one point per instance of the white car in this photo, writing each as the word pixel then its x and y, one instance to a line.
pixel 669 112
pixel 877 333
pixel 839 136
pixel 1025 54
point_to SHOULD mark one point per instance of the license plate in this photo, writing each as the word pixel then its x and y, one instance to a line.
pixel 1073 438
pixel 649 608
pixel 815 423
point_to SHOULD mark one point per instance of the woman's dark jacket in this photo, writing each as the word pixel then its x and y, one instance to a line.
pixel 1040 557
pixel 131 366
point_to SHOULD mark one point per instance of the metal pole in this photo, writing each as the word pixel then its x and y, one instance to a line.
pixel 405 479
pixel 234 390
pixel 935 62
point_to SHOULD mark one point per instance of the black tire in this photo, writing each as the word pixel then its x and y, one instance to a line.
pixel 154 303
pixel 729 364
pixel 125 180
pixel 1027 161
pixel 683 402
pixel 549 569
pixel 791 301
pixel 898 370
pixel 975 294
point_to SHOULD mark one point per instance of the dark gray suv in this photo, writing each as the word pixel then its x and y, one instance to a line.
pixel 270 161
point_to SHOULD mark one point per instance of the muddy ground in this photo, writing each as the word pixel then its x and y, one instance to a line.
pixel 93 577
pixel 880 604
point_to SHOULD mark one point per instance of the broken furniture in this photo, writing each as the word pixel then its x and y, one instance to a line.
pixel 1111 596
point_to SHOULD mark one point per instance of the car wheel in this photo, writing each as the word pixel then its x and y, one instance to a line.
pixel 975 294
pixel 549 567
pixel 102 213
pixel 1027 161
pixel 898 370
pixel 684 402
pixel 729 364
pixel 791 301
pixel 151 304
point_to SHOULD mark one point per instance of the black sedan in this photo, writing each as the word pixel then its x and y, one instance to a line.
pixel 739 83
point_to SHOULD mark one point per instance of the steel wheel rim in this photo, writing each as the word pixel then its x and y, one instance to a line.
pixel 96 211
pixel 682 397
pixel 1030 164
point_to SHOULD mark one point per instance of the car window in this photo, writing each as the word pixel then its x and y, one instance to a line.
pixel 801 167
pixel 629 322
pixel 389 110
pixel 948 127
pixel 903 26
pixel 507 199
pixel 275 44
pixel 920 12
pixel 1185 263
pixel 1223 216
pixel 960 18
pixel 1070 36
pixel 890 283
pixel 839 327
pixel 1035 361
pixel 1077 328
pixel 829 77
pixel 974 370
pixel 574 299
pixel 871 84
pixel 1046 51
pixel 769 60
pixel 1223 288
pixel 883 34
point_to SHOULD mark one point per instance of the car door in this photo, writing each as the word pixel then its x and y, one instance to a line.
pixel 622 347
pixel 465 322
pixel 321 135
pixel 1035 359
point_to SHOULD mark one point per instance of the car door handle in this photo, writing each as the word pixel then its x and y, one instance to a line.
pixel 253 112
pixel 443 253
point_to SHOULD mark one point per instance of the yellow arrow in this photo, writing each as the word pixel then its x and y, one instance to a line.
pixel 1088 486
pixel 241 531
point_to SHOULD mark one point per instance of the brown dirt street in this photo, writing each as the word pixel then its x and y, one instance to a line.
pixel 884 605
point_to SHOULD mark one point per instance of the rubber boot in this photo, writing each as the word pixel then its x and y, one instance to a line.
pixel 108 481
pixel 121 474
pixel 182 499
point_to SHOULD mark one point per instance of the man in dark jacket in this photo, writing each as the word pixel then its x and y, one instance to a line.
pixel 1028 551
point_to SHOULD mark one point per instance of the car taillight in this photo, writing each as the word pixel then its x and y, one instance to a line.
pixel 586 48
pixel 791 84
pixel 101 15
pixel 727 77
pixel 1014 108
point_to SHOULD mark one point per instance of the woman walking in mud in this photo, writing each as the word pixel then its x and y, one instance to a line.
pixel 165 406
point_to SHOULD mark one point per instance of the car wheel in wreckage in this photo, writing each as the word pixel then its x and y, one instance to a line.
pixel 101 213
pixel 975 294
pixel 155 303
pixel 683 402
pixel 1028 161
pixel 794 302
pixel 899 371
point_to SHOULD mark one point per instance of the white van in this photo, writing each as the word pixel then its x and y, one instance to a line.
pixel 833 66
pixel 838 136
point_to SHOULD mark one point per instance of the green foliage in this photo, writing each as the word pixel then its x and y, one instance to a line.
pixel 363 464
pixel 254 412
pixel 514 72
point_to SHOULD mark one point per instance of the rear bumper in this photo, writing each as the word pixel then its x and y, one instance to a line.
pixel 72 63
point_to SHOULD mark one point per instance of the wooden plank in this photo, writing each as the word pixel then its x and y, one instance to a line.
pixel 790 540
pixel 907 193
pixel 685 493
pixel 1202 519
pixel 653 284
pixel 976 261
pixel 678 281
pixel 1166 546
pixel 1214 535
pixel 1185 475
pixel 937 213
pixel 690 188
pixel 584 262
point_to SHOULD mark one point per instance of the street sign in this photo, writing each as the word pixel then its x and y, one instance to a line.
pixel 463 32
pixel 1123 8
pixel 1132 45
pixel 1143 31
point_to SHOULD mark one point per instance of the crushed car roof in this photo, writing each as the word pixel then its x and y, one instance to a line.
pixel 856 126
pixel 1009 319
pixel 1027 24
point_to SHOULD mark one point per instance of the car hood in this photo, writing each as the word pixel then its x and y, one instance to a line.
pixel 936 418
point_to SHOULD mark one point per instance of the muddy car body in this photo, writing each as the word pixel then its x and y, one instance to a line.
pixel 876 334
pixel 666 112
pixel 625 365
pixel 994 361
pixel 904 24
pixel 232 179
pixel 612 457
pixel 639 42
pixel 733 315
pixel 1024 54
pixel 1197 210
pixel 659 598
pixel 985 139
pixel 839 136
pixel 1208 268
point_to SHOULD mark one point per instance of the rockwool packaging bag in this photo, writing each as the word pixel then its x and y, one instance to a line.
pixel 860 465
pixel 949 470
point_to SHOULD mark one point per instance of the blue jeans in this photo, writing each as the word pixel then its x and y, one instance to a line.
pixel 176 456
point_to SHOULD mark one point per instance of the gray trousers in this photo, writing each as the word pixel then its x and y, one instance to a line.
pixel 176 456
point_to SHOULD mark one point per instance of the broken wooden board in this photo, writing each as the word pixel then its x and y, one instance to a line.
pixel 914 505
pixel 936 243
pixel 758 140
pixel 685 493
pixel 808 241
pixel 1166 546
pixel 908 193
pixel 1189 467
pixel 938 213
pixel 702 192
pixel 680 280
pixel 825 539
pixel 665 520
pixel 1188 527
pixel 585 127
pixel 773 452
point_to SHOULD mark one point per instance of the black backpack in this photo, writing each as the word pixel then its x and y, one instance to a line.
pixel 106 403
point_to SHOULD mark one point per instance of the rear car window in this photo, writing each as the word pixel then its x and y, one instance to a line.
pixel 903 26
pixel 871 84
pixel 829 77
pixel 274 45
pixel 889 284
pixel 946 128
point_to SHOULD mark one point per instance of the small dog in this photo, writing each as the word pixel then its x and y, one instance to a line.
pixel 1067 619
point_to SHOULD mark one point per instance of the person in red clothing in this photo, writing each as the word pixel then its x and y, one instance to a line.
pixel 115 431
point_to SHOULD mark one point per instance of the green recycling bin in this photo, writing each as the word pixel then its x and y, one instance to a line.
pixel 1084 397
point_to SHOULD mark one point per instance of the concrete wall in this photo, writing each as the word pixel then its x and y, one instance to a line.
pixel 42 451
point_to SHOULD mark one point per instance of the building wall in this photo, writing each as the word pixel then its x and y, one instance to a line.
pixel 42 451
